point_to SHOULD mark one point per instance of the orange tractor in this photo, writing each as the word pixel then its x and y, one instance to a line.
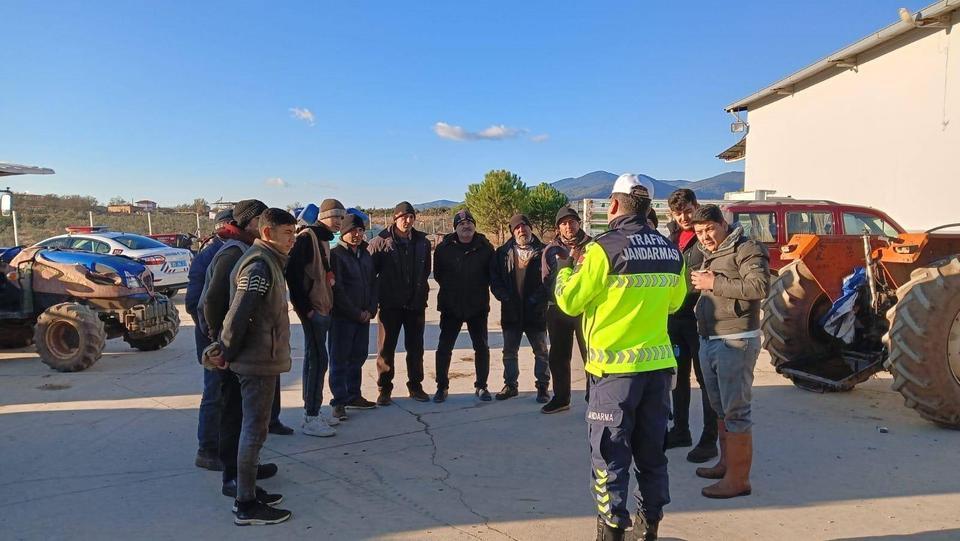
pixel 904 317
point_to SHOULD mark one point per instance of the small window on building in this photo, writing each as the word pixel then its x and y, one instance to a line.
pixel 759 226
pixel 810 223
pixel 854 223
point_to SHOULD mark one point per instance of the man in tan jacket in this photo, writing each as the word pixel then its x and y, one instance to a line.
pixel 310 279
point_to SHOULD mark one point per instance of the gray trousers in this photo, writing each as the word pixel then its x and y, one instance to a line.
pixel 511 358
pixel 727 366
pixel 257 397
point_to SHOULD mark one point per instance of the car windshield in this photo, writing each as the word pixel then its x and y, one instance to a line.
pixel 137 242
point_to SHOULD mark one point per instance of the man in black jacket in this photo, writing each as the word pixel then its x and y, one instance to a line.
pixel 354 305
pixel 461 267
pixel 682 327
pixel 569 243
pixel 401 257
pixel 516 281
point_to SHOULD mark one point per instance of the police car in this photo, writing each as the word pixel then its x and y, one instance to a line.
pixel 169 266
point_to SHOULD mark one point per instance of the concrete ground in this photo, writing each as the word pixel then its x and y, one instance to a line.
pixel 108 454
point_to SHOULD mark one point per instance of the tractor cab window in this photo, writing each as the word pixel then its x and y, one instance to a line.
pixel 759 226
pixel 811 223
pixel 854 223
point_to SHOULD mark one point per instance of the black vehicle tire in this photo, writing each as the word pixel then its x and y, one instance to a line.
pixel 157 341
pixel 791 332
pixel 70 337
pixel 924 342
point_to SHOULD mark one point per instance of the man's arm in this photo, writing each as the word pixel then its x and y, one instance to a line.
pixel 341 297
pixel 438 269
pixel 679 293
pixel 575 289
pixel 196 277
pixel 216 303
pixel 253 284
pixel 498 284
pixel 300 256
pixel 754 282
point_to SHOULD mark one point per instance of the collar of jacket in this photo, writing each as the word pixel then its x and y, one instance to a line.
pixel 535 244
pixel 390 233
pixel 266 246
pixel 734 235
pixel 578 242
pixel 349 249
pixel 321 231
pixel 233 232
pixel 629 222
pixel 452 239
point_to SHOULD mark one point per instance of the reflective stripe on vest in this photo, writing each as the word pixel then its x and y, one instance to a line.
pixel 638 355
pixel 643 280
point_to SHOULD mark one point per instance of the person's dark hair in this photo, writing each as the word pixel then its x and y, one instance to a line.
pixel 680 198
pixel 632 204
pixel 276 217
pixel 652 218
pixel 707 213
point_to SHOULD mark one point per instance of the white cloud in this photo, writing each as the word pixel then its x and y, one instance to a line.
pixel 496 132
pixel 277 182
pixel 303 114
pixel 540 138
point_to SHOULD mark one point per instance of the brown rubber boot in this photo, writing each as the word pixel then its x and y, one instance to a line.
pixel 739 459
pixel 718 470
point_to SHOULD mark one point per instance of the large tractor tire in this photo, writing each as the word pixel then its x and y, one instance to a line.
pixel 924 342
pixel 70 337
pixel 792 333
pixel 157 341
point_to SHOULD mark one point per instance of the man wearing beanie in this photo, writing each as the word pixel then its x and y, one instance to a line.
pixel 213 307
pixel 569 243
pixel 461 267
pixel 517 282
pixel 354 305
pixel 401 257
pixel 310 278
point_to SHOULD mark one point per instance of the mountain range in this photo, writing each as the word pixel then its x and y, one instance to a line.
pixel 598 184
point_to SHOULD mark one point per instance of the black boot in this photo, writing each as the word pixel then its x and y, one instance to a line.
pixel 255 512
pixel 706 448
pixel 642 530
pixel 606 532
pixel 543 396
pixel 677 437
pixel 508 391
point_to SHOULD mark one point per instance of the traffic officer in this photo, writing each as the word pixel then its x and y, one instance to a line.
pixel 629 279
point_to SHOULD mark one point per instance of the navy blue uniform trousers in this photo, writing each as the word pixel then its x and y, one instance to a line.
pixel 627 421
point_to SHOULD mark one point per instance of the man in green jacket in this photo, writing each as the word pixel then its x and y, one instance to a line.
pixel 630 279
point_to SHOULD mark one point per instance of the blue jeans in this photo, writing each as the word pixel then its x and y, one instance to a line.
pixel 349 342
pixel 315 361
pixel 511 360
pixel 626 423
pixel 727 366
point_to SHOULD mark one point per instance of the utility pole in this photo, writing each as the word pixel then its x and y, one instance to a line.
pixel 16 236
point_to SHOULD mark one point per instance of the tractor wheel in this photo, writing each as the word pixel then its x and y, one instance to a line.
pixel 791 330
pixel 157 341
pixel 924 342
pixel 70 337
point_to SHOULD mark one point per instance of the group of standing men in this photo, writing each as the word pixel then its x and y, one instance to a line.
pixel 651 305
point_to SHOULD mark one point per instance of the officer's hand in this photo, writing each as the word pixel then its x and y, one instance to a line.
pixel 702 280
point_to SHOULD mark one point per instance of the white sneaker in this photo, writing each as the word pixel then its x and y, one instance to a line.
pixel 314 426
pixel 331 421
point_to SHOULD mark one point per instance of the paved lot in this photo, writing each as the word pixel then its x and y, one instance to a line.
pixel 108 454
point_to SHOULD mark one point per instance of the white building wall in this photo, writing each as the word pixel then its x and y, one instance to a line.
pixel 886 135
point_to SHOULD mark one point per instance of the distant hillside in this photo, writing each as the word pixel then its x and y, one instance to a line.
pixel 439 203
pixel 597 185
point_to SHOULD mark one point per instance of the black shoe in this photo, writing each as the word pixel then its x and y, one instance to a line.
pixel 701 454
pixel 483 394
pixel 555 406
pixel 606 532
pixel 384 398
pixel 256 513
pixel 208 460
pixel 507 392
pixel 266 471
pixel 678 438
pixel 361 404
pixel 280 429
pixel 339 412
pixel 230 489
pixel 642 530
pixel 542 395
pixel 441 396
pixel 417 394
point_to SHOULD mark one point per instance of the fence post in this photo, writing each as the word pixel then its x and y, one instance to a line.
pixel 16 235
pixel 90 215
pixel 149 224
pixel 588 215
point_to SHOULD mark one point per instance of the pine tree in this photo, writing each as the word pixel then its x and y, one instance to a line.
pixel 493 201
pixel 542 204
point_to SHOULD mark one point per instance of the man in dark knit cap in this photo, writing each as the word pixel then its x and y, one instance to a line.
pixel 517 282
pixel 310 278
pixel 569 243
pixel 401 257
pixel 461 267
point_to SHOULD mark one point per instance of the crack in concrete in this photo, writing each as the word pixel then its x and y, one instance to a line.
pixel 445 479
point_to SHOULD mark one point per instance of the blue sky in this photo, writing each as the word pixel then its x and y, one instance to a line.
pixel 377 102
